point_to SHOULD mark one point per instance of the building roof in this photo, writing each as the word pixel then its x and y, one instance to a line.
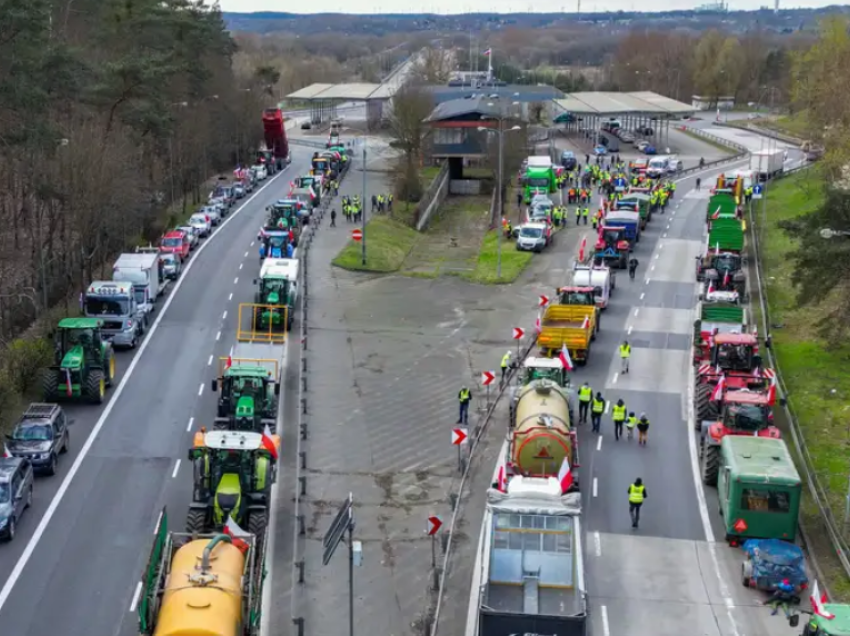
pixel 517 93
pixel 482 106
pixel 638 103
pixel 309 92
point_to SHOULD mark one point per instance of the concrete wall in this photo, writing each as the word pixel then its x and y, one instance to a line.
pixel 465 186
pixel 433 197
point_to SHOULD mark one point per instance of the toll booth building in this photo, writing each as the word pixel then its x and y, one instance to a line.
pixel 455 134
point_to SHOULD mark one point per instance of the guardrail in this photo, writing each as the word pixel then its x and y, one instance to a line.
pixel 308 143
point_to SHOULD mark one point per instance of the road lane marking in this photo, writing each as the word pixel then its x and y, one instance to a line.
pixel 606 628
pixel 614 380
pixel 637 311
pixel 597 541
pixel 209 362
pixel 135 602
pixel 231 350
pixel 595 487
pixel 230 297
pixel 642 295
pixel 661 245
pixel 607 404
pixel 188 428
pixel 176 468
pixel 652 269
pixel 240 265
pixel 664 235
pixel 599 443
pixel 37 535
pixel 252 244
pixel 630 329
pixel 224 315
pixel 156 525
pixel 218 336
pixel 647 281
pixel 246 253
pixel 235 280
pixel 200 389
pixel 656 256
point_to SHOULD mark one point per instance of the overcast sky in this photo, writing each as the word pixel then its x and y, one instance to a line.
pixel 503 6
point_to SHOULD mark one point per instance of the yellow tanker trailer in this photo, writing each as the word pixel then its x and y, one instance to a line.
pixel 542 435
pixel 202 585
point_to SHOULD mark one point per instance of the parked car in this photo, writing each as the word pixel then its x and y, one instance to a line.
pixel 16 485
pixel 213 212
pixel 533 237
pixel 177 242
pixel 627 137
pixel 306 125
pixel 600 150
pixel 642 144
pixel 260 172
pixel 649 149
pixel 568 160
pixel 203 223
pixel 40 436
pixel 192 234
pixel 249 183
pixel 239 191
pixel 221 204
pixel 644 130
pixel 171 266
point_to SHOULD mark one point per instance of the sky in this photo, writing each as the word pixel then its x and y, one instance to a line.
pixel 498 6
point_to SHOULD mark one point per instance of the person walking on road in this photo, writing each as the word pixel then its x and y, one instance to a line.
pixel 637 495
pixel 597 408
pixel 585 395
pixel 699 183
pixel 643 429
pixel 631 422
pixel 464 398
pixel 506 363
pixel 618 414
pixel 633 265
pixel 333 217
pixel 625 354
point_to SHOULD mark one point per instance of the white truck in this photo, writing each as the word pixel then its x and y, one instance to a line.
pixel 601 278
pixel 768 163
pixel 145 271
pixel 124 320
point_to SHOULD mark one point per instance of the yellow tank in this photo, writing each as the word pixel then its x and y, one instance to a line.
pixel 541 437
pixel 190 608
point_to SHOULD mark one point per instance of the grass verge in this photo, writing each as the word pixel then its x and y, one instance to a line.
pixel 724 149
pixel 388 243
pixel 514 262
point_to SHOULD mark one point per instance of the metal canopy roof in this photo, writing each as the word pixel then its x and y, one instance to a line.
pixel 642 102
pixel 309 92
pixel 354 92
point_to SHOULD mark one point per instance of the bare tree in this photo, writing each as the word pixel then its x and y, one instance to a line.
pixel 411 105
pixel 434 66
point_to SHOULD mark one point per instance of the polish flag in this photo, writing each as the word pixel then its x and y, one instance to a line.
pixel 235 532
pixel 726 278
pixel 771 392
pixel 586 323
pixel 68 389
pixel 717 249
pixel 716 214
pixel 566 360
pixel 6 453
pixel 268 442
pixel 229 362
pixel 581 249
pixel 501 480
pixel 565 476
pixel 538 323
pixel 818 600
pixel 717 394
pixel 488 52
pixel 710 289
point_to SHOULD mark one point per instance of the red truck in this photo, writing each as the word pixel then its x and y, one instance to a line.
pixel 176 242
pixel 275 136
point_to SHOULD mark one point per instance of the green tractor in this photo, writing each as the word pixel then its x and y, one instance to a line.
pixel 277 290
pixel 249 394
pixel 84 364
pixel 233 473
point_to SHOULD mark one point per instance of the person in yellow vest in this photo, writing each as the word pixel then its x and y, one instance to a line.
pixel 597 408
pixel 625 354
pixel 506 363
pixel 637 495
pixel 631 422
pixel 464 398
pixel 618 414
pixel 585 214
pixel 578 215
pixel 585 395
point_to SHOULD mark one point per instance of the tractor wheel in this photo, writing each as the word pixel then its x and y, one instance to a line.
pixel 50 386
pixel 196 521
pixel 704 408
pixel 710 463
pixel 257 522
pixel 109 365
pixel 95 386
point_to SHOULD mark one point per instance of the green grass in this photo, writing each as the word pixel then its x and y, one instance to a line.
pixel 513 261
pixel 724 149
pixel 428 174
pixel 388 243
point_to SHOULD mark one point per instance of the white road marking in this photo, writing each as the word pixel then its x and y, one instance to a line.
pixel 605 412
pixel 606 628
pixel 647 281
pixel 599 443
pixel 661 245
pixel 235 280
pixel 597 541
pixel 135 602
pixel 156 525
pixel 189 426
pixel 595 487
pixel 664 235
pixel 200 389
pixel 230 297
pixel 656 256
pixel 218 336
pixel 630 329
pixel 231 349
pixel 614 379
pixel 224 315
pixel 642 295
pixel 252 244
pixel 690 423
pixel 37 535
pixel 240 265
pixel 246 253
pixel 176 468
pixel 637 310
pixel 652 269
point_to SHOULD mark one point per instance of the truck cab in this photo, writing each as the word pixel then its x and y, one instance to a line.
pixel 115 304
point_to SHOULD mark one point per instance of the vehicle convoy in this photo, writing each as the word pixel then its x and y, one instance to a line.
pixel 276 244
pixel 612 247
pixel 233 473
pixel 717 313
pixel 724 200
pixel 768 163
pixel 277 292
pixel 275 136
pixel 248 392
pixel 114 303
pixel 202 584
pixel 602 279
pixel 759 489
pixel 573 322
pixel 40 436
pixel 145 271
pixel 722 267
pixel 307 193
pixel 537 588
pixel 539 177
pixel 84 364
pixel 541 433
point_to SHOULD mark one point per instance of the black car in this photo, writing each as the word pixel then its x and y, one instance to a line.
pixel 40 436
pixel 16 482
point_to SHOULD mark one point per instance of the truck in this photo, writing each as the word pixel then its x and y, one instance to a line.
pixel 636 202
pixel 601 278
pixel 114 303
pixel 145 271
pixel 531 579
pixel 539 177
pixel 274 132
pixel 630 221
pixel 202 583
pixel 759 489
pixel 768 163
pixel 723 202
pixel 573 322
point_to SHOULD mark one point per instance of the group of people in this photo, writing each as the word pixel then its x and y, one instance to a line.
pixel 352 210
pixel 382 202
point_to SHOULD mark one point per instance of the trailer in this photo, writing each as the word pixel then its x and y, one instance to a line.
pixel 768 163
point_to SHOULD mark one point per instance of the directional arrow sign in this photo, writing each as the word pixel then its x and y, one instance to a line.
pixel 487 378
pixel 519 332
pixel 740 526
pixel 434 525
pixel 544 300
pixel 357 235
pixel 459 436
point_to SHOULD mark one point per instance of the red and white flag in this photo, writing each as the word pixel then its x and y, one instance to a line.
pixel 235 532
pixel 716 214
pixel 229 362
pixel 717 249
pixel 586 323
pixel 710 288
pixel 771 392
pixel 717 394
pixel 726 278
pixel 501 480
pixel 566 360
pixel 582 248
pixel 488 52
pixel 565 476
pixel 268 442
pixel 819 603
pixel 6 453
pixel 757 372
pixel 68 388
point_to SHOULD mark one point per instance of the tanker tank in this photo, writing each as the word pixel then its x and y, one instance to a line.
pixel 542 436
pixel 203 602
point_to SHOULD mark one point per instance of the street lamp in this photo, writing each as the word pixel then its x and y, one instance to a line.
pixel 827 233
pixel 500 131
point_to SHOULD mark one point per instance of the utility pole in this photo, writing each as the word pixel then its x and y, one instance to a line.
pixel 363 204
pixel 499 203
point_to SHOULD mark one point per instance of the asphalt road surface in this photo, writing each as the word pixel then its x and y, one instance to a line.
pixel 81 548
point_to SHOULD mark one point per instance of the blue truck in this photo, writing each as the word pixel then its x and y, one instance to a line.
pixel 628 220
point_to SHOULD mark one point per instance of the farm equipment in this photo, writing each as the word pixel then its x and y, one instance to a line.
pixel 636 202
pixel 723 203
pixel 722 267
pixel 771 561
pixel 84 362
pixel 248 394
pixel 277 293
pixel 275 136
pixel 573 323
pixel 538 369
pixel 630 221
pixel 233 473
pixel 718 313
pixel 612 247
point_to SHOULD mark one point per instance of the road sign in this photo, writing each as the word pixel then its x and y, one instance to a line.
pixel 487 378
pixel 357 235
pixel 544 300
pixel 519 332
pixel 459 436
pixel 757 191
pixel 740 526
pixel 343 521
pixel 434 525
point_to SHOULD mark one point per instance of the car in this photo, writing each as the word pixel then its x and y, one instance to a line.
pixel 602 140
pixel 16 485
pixel 600 150
pixel 192 234
pixel 171 266
pixel 306 125
pixel 239 191
pixel 568 160
pixel 627 137
pixel 40 436
pixel 649 149
pixel 202 223
pixel 642 144
pixel 212 211
pixel 177 242
pixel 260 172
pixel 533 237
pixel 644 130
pixel 249 183
pixel 221 204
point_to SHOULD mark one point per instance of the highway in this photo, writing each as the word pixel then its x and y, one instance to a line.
pixel 81 548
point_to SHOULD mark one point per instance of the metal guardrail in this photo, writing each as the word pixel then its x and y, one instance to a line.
pixel 309 143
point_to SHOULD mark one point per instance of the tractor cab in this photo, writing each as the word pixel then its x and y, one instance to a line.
pixel 577 296
pixel 277 287
pixel 233 474
pixel 543 369
pixel 612 236
pixel 286 210
pixel 735 352
pixel 746 411
pixel 277 244
pixel 84 362
pixel 248 395
pixel 724 272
